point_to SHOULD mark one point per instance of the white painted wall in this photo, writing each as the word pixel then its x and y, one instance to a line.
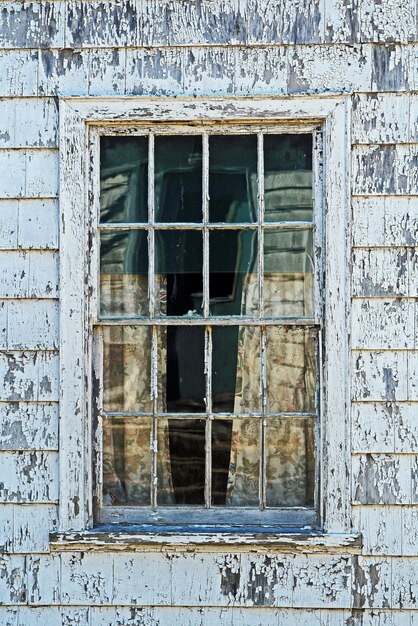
pixel 365 48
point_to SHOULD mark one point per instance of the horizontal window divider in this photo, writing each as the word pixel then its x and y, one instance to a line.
pixel 296 517
pixel 214 416
pixel 215 127
pixel 207 321
pixel 297 225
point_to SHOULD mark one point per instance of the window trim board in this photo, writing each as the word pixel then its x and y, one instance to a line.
pixel 78 291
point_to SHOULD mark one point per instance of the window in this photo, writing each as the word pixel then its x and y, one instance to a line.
pixel 207 324
pixel 199 258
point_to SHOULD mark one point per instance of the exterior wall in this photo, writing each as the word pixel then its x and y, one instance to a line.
pixel 201 47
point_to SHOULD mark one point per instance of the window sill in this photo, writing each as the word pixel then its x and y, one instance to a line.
pixel 203 538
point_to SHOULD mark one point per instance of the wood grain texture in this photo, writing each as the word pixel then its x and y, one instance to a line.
pixel 385 221
pixel 28 426
pixel 28 123
pixel 392 20
pixel 28 173
pixel 381 118
pixel 29 477
pixel 392 68
pixel 384 324
pixel 384 479
pixel 29 324
pixel 28 376
pixel 28 274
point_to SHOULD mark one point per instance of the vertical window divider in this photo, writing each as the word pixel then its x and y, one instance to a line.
pixel 263 452
pixel 208 332
pixel 260 210
pixel 151 304
pixel 209 417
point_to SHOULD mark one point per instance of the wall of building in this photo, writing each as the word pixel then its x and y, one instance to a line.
pixel 364 48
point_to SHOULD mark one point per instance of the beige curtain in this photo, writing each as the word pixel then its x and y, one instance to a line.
pixel 127 471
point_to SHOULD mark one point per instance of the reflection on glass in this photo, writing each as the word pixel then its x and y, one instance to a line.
pixel 290 369
pixel 232 178
pixel 123 179
pixel 288 178
pixel 179 269
pixel 290 465
pixel 224 367
pixel 182 366
pixel 127 368
pixel 243 483
pixel 232 272
pixel 123 273
pixel 178 178
pixel 127 462
pixel 183 477
pixel 288 273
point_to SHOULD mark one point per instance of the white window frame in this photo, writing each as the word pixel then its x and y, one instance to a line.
pixel 80 119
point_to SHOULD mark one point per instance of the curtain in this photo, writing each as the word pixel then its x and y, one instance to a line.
pixel 127 444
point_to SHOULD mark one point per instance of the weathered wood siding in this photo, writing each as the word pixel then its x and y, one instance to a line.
pixel 366 49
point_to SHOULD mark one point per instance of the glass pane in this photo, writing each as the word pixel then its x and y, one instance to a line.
pixel 179 269
pixel 288 178
pixel 127 462
pixel 124 179
pixel 236 369
pixel 224 367
pixel 236 451
pixel 181 462
pixel 290 370
pixel 288 273
pixel 233 178
pixel 290 463
pixel 233 287
pixel 182 382
pixel 123 273
pixel 127 368
pixel 178 178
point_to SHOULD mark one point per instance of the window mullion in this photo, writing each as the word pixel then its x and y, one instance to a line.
pixel 208 429
pixel 151 220
pixel 260 207
pixel 208 333
pixel 151 304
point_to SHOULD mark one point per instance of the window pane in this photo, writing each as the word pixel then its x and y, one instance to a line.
pixel 123 273
pixel 236 463
pixel 123 179
pixel 178 178
pixel 288 273
pixel 179 269
pixel 236 369
pixel 290 464
pixel 127 368
pixel 224 367
pixel 127 462
pixel 182 477
pixel 233 178
pixel 288 178
pixel 290 370
pixel 233 272
pixel 182 382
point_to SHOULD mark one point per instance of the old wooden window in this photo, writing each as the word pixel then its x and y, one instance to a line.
pixel 209 324
pixel 204 314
